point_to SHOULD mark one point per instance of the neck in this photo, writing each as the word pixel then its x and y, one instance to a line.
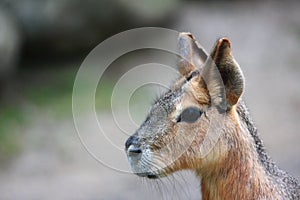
pixel 240 174
pixel 240 177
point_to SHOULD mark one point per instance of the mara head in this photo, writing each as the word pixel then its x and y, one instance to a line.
pixel 183 127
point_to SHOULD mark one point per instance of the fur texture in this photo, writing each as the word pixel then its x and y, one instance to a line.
pixel 217 140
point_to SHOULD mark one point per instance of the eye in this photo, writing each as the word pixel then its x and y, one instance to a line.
pixel 189 115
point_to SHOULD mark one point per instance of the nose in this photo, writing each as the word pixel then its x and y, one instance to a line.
pixel 132 140
pixel 132 146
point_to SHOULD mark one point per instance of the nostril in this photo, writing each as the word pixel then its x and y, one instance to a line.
pixel 134 151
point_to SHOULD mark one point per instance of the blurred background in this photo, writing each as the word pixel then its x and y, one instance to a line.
pixel 42 45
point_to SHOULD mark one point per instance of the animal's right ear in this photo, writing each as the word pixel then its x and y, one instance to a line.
pixel 192 54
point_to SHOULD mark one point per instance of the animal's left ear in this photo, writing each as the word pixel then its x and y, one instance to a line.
pixel 192 54
pixel 220 70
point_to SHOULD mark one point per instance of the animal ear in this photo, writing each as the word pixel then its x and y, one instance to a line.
pixel 222 75
pixel 192 54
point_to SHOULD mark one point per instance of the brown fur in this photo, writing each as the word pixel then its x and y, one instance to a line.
pixel 236 166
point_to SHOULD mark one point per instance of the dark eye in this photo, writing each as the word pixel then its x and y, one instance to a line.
pixel 189 115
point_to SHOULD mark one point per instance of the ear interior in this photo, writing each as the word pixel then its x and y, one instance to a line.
pixel 223 75
pixel 192 54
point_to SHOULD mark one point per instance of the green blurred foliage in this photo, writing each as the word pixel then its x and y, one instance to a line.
pixel 50 95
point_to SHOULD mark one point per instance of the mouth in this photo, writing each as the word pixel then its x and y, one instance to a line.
pixel 152 176
pixel 141 163
pixel 149 175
